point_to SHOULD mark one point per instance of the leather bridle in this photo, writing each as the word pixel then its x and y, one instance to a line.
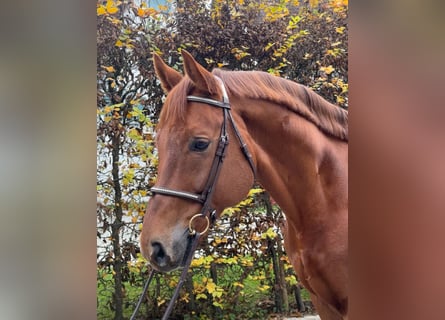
pixel 205 197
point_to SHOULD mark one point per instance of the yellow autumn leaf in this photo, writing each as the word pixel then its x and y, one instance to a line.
pixel 209 60
pixel 255 237
pixel 185 298
pixel 111 7
pixel 268 46
pixel 340 100
pixel 264 288
pixel 161 302
pixel 340 30
pixel 197 262
pixel 313 3
pixel 101 10
pixel 327 70
pixel 292 280
pixel 146 12
pixel 255 191
pixel 270 233
pixel 109 69
pixel 119 43
pixel 211 287
pixel 141 12
pixel 247 263
pixel 112 10
pixel 172 283
pixel 338 3
pixel 114 20
pixel 108 109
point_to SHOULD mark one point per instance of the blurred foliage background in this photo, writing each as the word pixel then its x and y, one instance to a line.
pixel 243 272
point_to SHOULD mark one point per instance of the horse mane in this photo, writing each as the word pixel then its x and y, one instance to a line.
pixel 297 98
pixel 330 119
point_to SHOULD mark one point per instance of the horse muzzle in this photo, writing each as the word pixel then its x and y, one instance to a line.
pixel 169 255
pixel 160 258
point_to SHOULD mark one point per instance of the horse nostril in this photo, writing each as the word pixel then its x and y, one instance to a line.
pixel 159 255
pixel 158 250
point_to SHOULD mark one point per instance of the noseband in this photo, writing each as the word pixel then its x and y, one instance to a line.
pixel 205 197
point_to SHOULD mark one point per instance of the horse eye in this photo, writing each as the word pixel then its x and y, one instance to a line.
pixel 199 145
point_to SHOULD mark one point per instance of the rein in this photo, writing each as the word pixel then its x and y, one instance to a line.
pixel 205 196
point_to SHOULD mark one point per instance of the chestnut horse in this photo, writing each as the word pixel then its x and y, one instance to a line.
pixel 299 149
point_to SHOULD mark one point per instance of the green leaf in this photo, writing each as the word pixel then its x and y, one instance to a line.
pixel 270 233
pixel 201 296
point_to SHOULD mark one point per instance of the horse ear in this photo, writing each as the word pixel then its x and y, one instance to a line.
pixel 202 78
pixel 168 76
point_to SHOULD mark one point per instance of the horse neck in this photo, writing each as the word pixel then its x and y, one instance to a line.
pixel 297 163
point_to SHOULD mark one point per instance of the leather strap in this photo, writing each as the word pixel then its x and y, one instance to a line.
pixel 179 194
pixel 211 102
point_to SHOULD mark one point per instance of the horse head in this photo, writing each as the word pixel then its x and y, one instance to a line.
pixel 189 139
